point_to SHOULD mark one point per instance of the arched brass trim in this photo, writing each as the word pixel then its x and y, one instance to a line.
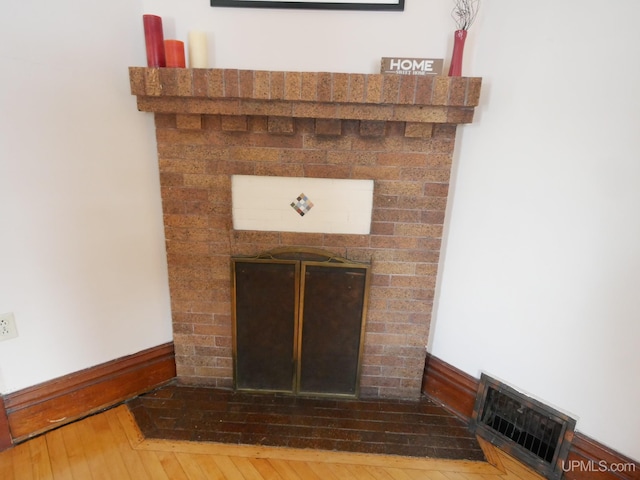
pixel 300 254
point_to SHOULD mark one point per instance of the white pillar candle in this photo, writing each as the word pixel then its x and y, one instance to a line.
pixel 198 57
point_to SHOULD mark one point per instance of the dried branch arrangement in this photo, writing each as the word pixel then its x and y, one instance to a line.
pixel 464 13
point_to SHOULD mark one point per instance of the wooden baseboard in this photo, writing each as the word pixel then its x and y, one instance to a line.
pixel 48 405
pixel 590 460
pixel 455 389
pixel 587 460
pixel 5 433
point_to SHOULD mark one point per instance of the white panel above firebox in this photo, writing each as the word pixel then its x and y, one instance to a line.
pixel 298 204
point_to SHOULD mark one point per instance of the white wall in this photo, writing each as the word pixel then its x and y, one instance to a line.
pixel 539 284
pixel 82 262
pixel 309 40
pixel 543 228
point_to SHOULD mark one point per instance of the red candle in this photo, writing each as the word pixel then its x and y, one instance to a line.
pixel 154 40
pixel 174 50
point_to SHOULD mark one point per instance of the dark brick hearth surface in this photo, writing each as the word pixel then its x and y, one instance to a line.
pixel 393 427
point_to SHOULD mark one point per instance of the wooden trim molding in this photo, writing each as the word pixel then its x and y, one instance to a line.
pixel 455 389
pixel 587 460
pixel 590 460
pixel 5 434
pixel 48 405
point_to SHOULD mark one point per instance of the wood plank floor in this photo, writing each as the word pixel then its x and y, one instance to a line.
pixel 110 446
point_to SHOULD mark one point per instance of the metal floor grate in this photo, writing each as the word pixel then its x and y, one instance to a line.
pixel 529 430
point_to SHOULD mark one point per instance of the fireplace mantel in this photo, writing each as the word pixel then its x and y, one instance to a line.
pixel 324 95
pixel 395 130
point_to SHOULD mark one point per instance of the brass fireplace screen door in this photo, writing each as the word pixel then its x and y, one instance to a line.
pixel 298 322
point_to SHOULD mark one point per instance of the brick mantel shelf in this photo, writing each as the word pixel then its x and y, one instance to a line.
pixel 397 130
pixel 344 96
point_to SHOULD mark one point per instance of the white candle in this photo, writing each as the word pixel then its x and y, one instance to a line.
pixel 198 57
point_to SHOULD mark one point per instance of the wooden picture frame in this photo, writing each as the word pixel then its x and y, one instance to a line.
pixel 385 5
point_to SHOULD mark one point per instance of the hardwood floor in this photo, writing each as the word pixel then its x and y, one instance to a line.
pixel 110 446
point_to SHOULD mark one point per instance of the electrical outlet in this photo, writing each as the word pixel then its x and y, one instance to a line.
pixel 7 326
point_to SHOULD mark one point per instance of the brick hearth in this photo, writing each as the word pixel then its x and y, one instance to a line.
pixel 396 130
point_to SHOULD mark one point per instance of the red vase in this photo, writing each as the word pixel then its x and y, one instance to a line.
pixel 154 40
pixel 455 69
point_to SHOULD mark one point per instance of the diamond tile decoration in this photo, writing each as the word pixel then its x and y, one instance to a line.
pixel 302 205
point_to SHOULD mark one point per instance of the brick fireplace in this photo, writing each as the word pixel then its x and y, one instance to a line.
pixel 398 131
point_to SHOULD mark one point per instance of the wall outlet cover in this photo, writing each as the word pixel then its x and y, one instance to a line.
pixel 8 328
